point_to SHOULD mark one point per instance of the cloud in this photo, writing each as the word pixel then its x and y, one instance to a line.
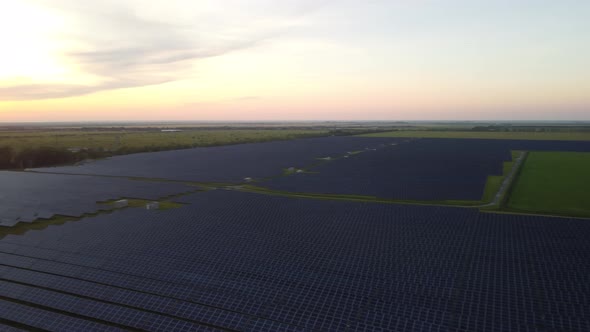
pixel 124 45
pixel 48 91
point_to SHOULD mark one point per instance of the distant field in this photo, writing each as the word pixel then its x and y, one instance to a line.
pixel 561 136
pixel 553 183
pixel 139 139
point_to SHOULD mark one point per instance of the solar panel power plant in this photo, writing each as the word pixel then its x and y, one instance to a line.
pixel 27 196
pixel 236 261
pixel 424 169
pixel 231 260
pixel 295 166
pixel 230 163
pixel 539 145
pixel 419 170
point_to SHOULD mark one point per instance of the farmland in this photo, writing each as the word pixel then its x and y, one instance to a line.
pixel 26 146
pixel 38 148
pixel 342 233
pixel 508 135
pixel 553 183
pixel 154 139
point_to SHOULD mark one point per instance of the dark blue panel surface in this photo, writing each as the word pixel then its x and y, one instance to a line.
pixel 27 196
pixel 256 262
pixel 423 169
pixel 230 163
pixel 48 320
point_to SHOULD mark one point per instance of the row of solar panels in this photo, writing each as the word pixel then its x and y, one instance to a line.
pixel 248 262
pixel 28 197
pixel 263 160
pixel 424 169
pixel 230 163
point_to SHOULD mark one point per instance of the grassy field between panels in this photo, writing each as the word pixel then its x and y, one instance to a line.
pixel 553 183
pixel 556 136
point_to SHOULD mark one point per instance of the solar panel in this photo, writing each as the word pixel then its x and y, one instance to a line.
pixel 210 164
pixel 48 320
pixel 28 197
pixel 255 262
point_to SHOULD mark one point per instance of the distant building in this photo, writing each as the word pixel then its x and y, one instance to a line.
pixel 171 130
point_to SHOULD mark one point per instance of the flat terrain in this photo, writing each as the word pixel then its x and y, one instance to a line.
pixel 443 171
pixel 235 261
pixel 222 256
pixel 146 138
pixel 558 136
pixel 553 183
pixel 230 163
pixel 26 196
pixel 418 170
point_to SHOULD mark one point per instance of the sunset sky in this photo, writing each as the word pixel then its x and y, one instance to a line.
pixel 73 60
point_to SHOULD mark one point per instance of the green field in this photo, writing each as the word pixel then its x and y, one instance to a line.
pixel 51 147
pixel 559 136
pixel 494 182
pixel 114 140
pixel 553 183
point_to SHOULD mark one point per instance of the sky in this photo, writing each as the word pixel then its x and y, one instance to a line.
pixel 251 60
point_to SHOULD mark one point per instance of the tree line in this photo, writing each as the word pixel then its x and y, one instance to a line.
pixel 45 156
pixel 42 157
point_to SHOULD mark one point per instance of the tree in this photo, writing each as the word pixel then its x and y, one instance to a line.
pixel 6 155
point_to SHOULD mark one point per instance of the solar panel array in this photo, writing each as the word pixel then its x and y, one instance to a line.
pixel 231 163
pixel 238 261
pixel 425 169
pixel 420 170
pixel 539 145
pixel 27 197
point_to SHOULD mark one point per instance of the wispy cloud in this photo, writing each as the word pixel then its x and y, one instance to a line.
pixel 125 46
pixel 47 91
